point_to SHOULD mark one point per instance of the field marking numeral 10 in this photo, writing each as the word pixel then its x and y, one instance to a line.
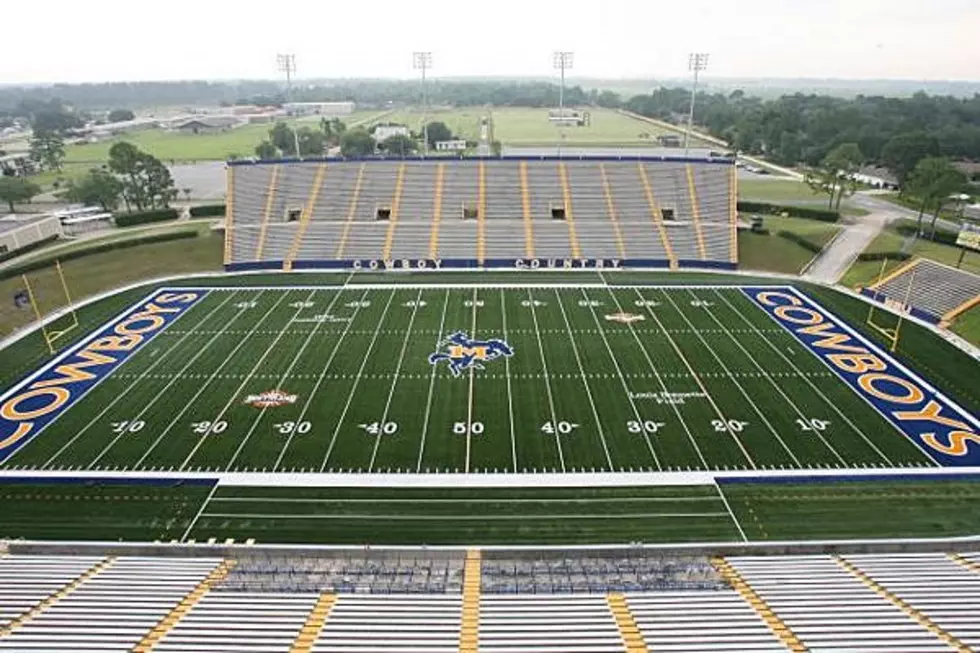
pixel 210 427
pixel 377 428
pixel 289 428
pixel 732 425
pixel 128 426
pixel 476 428
pixel 560 428
pixel 812 424
pixel 646 426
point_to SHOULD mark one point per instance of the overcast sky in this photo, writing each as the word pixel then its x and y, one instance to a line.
pixel 112 40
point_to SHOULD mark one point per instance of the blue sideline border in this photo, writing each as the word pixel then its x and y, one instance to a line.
pixel 475 264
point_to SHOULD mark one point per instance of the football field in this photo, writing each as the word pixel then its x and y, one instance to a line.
pixel 477 378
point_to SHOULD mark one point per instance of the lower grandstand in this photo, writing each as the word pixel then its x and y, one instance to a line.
pixel 929 290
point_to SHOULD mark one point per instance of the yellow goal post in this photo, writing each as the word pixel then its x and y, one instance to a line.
pixel 56 328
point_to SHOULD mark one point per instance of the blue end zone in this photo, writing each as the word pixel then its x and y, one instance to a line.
pixel 39 399
pixel 941 428
pixel 476 264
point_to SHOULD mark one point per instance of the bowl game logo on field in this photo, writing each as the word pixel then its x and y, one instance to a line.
pixel 625 318
pixel 463 352
pixel 270 399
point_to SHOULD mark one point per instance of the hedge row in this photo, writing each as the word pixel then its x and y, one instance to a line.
pixel 207 210
pixel 28 248
pixel 806 244
pixel 881 256
pixel 132 219
pixel 796 211
pixel 31 266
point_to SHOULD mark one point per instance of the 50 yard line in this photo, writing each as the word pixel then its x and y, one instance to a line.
pixel 469 408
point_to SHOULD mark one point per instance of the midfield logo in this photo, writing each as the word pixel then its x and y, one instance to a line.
pixel 625 318
pixel 270 399
pixel 463 353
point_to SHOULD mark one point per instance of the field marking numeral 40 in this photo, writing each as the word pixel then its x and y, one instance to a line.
pixel 646 426
pixel 377 428
pixel 210 427
pixel 812 424
pixel 560 428
pixel 128 426
pixel 476 428
pixel 288 428
pixel 732 425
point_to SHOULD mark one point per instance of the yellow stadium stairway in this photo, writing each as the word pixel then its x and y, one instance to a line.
pixel 481 209
pixel 655 215
pixel 314 624
pixel 969 564
pixel 270 199
pixel 229 213
pixel 628 630
pixel 54 598
pixel 437 211
pixel 917 616
pixel 566 192
pixel 789 639
pixel 733 211
pixel 396 202
pixel 306 216
pixel 526 206
pixel 180 610
pixel 695 211
pixel 469 628
pixel 611 210
pixel 351 212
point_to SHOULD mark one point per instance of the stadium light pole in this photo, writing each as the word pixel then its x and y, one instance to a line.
pixel 286 63
pixel 696 62
pixel 562 61
pixel 423 61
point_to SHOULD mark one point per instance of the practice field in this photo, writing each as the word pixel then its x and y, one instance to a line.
pixel 439 379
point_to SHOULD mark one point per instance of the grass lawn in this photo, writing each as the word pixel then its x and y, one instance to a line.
pixel 967 326
pixel 788 191
pixel 774 253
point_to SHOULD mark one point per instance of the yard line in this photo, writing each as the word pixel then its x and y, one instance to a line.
pixel 765 373
pixel 432 382
pixel 416 501
pixel 730 513
pixel 806 378
pixel 322 376
pixel 248 377
pixel 588 390
pixel 697 379
pixel 190 527
pixel 357 380
pixel 469 407
pixel 622 379
pixel 660 380
pixel 119 397
pixel 282 380
pixel 547 380
pixel 207 382
pixel 728 373
pixel 510 394
pixel 394 380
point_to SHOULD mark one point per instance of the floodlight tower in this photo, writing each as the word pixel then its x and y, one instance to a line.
pixel 696 62
pixel 562 61
pixel 286 63
pixel 423 61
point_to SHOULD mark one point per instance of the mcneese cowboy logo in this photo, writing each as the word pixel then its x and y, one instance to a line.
pixel 270 399
pixel 464 353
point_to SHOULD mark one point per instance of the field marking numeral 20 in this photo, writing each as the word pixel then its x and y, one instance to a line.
pixel 560 428
pixel 646 426
pixel 377 428
pixel 732 425
pixel 289 428
pixel 210 427
pixel 476 428
pixel 128 426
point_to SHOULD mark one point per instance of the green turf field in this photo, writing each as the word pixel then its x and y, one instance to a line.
pixel 682 386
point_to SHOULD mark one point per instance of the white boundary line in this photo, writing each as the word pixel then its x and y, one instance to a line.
pixel 721 493
pixel 432 383
pixel 190 527
pixel 510 394
pixel 547 381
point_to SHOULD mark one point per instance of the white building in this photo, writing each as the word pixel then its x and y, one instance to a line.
pixel 319 108
pixel 457 145
pixel 384 132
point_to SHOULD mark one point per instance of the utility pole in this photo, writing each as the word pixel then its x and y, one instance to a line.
pixel 696 61
pixel 562 61
pixel 423 61
pixel 286 63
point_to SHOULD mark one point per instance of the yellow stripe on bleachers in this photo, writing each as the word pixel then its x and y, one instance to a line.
pixel 229 211
pixel 351 212
pixel 306 216
pixel 779 628
pixel 695 211
pixel 526 206
pixel 912 612
pixel 628 630
pixel 267 214
pixel 314 624
pixel 469 627
pixel 566 193
pixel 481 209
pixel 393 218
pixel 655 215
pixel 437 211
pixel 900 270
pixel 959 310
pixel 611 210
pixel 733 210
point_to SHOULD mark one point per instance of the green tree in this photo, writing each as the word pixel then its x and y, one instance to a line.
pixel 438 131
pixel 357 142
pixel 47 149
pixel 931 183
pixel 609 99
pixel 266 150
pixel 398 144
pixel 283 138
pixel 497 148
pixel 98 186
pixel 843 162
pixel 147 183
pixel 16 190
pixel 333 129
pixel 121 115
pixel 903 152
pixel 312 142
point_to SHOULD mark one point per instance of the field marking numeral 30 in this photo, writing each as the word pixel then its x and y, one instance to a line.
pixel 210 427
pixel 128 426
pixel 288 428
pixel 646 426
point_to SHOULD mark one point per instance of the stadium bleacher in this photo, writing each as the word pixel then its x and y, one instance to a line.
pixel 931 291
pixel 481 212
pixel 346 601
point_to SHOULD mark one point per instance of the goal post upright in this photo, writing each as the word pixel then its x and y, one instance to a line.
pixel 52 335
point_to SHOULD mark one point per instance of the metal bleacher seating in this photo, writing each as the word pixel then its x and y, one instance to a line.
pixel 937 290
pixel 481 211
pixel 347 601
